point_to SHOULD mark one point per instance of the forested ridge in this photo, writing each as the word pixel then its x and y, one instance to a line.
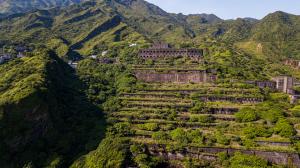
pixel 100 115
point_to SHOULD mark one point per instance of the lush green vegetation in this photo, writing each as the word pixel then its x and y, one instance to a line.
pixel 112 152
pixel 241 160
pixel 52 116
pixel 42 103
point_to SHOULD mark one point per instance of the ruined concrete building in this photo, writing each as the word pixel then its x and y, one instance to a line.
pixel 284 84
pixel 4 57
pixel 263 84
pixel 175 76
pixel 293 63
pixel 162 50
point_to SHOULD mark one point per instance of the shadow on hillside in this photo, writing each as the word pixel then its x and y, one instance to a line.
pixel 87 124
pixel 54 126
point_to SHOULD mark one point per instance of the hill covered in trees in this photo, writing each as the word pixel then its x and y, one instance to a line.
pixel 101 115
pixel 19 6
pixel 93 26
pixel 44 113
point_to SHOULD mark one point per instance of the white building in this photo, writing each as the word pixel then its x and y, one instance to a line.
pixel 104 53
pixel 93 56
pixel 132 45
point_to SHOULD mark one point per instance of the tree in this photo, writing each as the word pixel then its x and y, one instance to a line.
pixel 180 136
pixel 121 129
pixel 253 131
pixel 146 161
pixel 247 161
pixel 246 115
pixel 296 111
pixel 111 153
pixel 160 136
pixel 284 128
pixel 149 126
pixel 223 157
pixel 195 136
pixel 222 139
pixel 112 105
pixel 249 143
pixel 198 107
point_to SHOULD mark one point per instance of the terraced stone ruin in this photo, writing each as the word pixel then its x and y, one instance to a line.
pixel 162 50
pixel 177 102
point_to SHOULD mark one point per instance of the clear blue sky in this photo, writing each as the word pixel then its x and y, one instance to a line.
pixel 229 9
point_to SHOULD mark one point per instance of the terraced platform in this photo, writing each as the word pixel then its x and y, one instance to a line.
pixel 156 112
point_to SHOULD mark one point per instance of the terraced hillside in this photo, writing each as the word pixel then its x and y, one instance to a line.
pixel 205 121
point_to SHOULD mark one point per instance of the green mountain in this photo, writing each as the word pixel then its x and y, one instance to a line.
pixel 44 113
pixel 51 116
pixel 275 36
pixel 91 27
pixel 20 6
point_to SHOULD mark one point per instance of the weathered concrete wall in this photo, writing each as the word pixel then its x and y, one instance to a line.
pixel 282 158
pixel 274 143
pixel 228 111
pixel 231 99
pixel 191 76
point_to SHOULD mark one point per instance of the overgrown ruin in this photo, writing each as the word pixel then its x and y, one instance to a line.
pixel 188 97
pixel 162 50
pixel 175 76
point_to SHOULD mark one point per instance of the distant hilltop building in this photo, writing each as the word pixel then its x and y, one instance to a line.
pixel 293 63
pixel 163 50
pixel 4 57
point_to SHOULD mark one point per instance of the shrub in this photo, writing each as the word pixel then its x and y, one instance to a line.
pixel 146 161
pixel 112 105
pixel 271 113
pixel 121 129
pixel 125 82
pixel 172 114
pixel 137 149
pixel 169 127
pixel 180 136
pixel 222 156
pixel 246 115
pixel 198 107
pixel 195 136
pixel 206 119
pixel 210 140
pixel 160 136
pixel 296 111
pixel 149 62
pixel 202 119
pixel 253 131
pixel 112 152
pixel 149 126
pixel 279 97
pixel 236 139
pixel 297 146
pixel 284 128
pixel 222 139
pixel 194 119
pixel 242 160
pixel 249 143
